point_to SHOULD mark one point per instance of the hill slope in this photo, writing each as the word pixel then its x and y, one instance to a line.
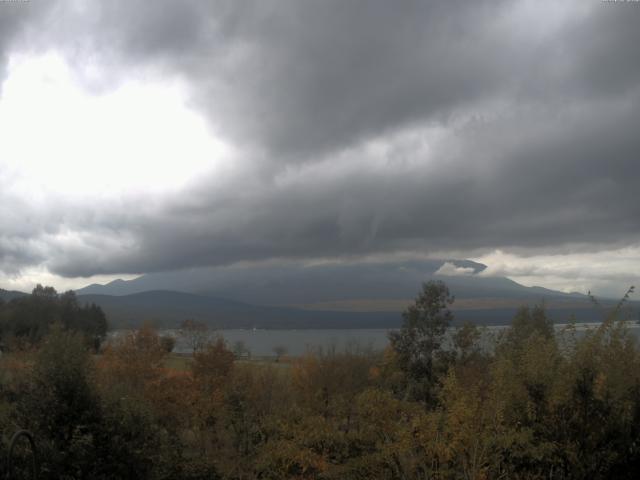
pixel 327 283
pixel 8 295
pixel 321 296
pixel 168 309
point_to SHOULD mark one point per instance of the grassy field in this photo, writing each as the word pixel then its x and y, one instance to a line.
pixel 178 362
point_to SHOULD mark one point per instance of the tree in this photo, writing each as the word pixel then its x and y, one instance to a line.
pixel 194 333
pixel 280 351
pixel 44 293
pixel 61 405
pixel 212 364
pixel 466 341
pixel 418 343
pixel 168 343
pixel 135 358
pixel 240 349
pixel 27 319
pixel 529 321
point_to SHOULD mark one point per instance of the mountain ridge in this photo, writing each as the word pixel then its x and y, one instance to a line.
pixel 340 296
pixel 168 308
pixel 371 295
pixel 267 285
pixel 8 295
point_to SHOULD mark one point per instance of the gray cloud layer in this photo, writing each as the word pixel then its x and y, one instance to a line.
pixel 365 127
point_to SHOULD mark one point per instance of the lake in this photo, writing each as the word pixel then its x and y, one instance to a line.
pixel 297 342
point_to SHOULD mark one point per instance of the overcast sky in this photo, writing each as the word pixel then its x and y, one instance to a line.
pixel 140 136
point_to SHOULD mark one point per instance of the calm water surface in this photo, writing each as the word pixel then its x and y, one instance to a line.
pixel 298 342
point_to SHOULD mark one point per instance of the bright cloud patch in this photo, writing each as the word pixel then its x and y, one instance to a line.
pixel 448 269
pixel 57 138
pixel 29 278
pixel 606 273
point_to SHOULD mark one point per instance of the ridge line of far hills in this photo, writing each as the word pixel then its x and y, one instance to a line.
pixel 324 296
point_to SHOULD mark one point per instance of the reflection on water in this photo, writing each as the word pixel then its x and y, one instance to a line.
pixel 297 342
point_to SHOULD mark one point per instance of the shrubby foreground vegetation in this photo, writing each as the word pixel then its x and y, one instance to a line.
pixel 539 405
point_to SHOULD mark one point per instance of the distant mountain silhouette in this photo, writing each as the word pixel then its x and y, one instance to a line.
pixel 321 296
pixel 168 309
pixel 484 301
pixel 288 285
pixel 7 295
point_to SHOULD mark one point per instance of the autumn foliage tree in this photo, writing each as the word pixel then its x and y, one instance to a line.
pixel 135 357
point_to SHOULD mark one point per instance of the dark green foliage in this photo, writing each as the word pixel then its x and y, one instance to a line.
pixel 466 342
pixel 60 405
pixel 418 343
pixel 529 321
pixel 128 442
pixel 26 320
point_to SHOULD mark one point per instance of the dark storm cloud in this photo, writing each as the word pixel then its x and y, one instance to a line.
pixel 298 78
pixel 304 78
pixel 20 233
pixel 369 127
pixel 572 191
pixel 15 18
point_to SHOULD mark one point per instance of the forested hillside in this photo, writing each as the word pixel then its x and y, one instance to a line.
pixel 26 319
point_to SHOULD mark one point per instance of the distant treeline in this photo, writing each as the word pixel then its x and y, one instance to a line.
pixel 540 405
pixel 25 320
